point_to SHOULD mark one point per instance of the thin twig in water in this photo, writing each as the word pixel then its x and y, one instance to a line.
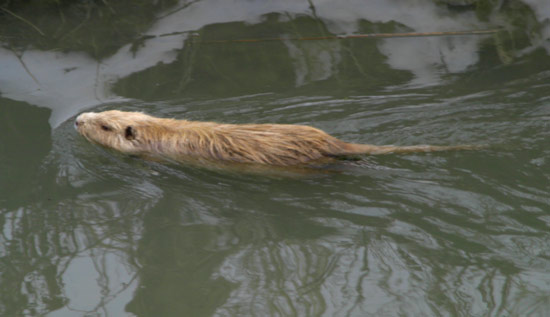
pixel 25 66
pixel 183 7
pixel 359 36
pixel 24 20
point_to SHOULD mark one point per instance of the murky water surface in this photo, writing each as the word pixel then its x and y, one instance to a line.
pixel 89 232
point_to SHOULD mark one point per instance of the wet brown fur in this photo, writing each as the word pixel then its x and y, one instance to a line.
pixel 181 140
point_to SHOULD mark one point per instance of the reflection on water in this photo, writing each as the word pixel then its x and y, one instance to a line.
pixel 70 82
pixel 86 231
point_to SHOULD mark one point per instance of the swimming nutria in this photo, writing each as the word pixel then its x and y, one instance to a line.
pixel 185 141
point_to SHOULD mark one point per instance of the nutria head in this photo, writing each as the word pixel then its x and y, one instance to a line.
pixel 114 129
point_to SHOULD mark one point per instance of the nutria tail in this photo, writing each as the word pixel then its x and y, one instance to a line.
pixel 354 148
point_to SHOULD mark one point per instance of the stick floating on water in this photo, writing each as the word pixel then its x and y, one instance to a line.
pixel 354 36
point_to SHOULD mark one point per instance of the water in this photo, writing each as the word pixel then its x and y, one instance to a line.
pixel 89 232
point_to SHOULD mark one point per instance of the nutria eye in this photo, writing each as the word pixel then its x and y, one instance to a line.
pixel 129 133
pixel 105 128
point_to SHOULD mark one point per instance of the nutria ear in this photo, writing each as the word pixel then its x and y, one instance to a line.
pixel 130 133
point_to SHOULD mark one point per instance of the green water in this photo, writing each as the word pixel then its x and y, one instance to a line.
pixel 88 232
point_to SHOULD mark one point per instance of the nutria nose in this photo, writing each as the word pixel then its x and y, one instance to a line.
pixel 79 121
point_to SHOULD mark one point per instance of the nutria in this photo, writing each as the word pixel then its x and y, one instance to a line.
pixel 139 134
